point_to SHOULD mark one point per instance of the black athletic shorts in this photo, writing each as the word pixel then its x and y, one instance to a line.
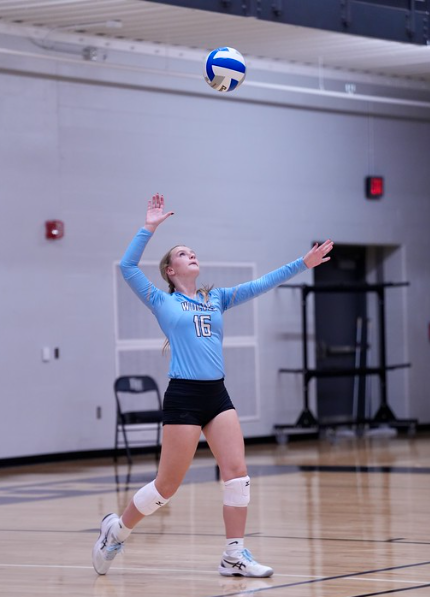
pixel 189 402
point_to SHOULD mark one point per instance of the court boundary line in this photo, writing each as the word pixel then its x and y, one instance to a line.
pixel 393 591
pixel 145 569
pixel 351 576
pixel 338 577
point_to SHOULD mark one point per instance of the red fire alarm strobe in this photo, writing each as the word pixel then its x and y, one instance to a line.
pixel 374 187
pixel 54 229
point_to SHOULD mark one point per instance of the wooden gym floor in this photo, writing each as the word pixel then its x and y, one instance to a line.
pixel 344 519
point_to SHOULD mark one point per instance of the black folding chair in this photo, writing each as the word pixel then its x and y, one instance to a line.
pixel 139 409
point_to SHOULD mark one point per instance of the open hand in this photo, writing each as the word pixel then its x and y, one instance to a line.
pixel 317 254
pixel 155 212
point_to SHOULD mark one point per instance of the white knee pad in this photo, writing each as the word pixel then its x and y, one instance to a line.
pixel 237 492
pixel 147 500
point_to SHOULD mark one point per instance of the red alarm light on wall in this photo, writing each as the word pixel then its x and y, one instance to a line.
pixel 54 229
pixel 374 187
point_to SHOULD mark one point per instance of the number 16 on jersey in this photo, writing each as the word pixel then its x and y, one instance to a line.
pixel 202 323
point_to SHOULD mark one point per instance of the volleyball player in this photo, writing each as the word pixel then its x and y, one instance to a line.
pixel 196 399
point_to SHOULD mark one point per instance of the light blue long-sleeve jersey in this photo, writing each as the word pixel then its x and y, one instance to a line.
pixel 193 327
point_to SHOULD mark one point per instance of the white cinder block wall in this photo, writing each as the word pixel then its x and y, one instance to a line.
pixel 253 179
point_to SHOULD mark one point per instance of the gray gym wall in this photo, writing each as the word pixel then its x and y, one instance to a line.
pixel 253 179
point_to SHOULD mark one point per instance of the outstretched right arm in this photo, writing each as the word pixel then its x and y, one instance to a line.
pixel 135 278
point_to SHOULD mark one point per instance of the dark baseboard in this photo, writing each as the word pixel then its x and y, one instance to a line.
pixel 60 457
pixel 94 454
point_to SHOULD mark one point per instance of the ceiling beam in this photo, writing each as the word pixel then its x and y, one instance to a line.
pixel 405 21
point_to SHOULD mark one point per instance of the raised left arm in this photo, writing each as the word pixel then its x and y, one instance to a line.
pixel 249 290
pixel 244 292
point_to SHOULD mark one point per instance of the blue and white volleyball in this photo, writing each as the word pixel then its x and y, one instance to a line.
pixel 225 69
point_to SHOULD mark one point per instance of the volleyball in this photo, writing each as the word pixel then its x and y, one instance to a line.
pixel 225 69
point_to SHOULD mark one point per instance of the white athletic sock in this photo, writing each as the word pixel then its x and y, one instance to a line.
pixel 234 546
pixel 120 531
